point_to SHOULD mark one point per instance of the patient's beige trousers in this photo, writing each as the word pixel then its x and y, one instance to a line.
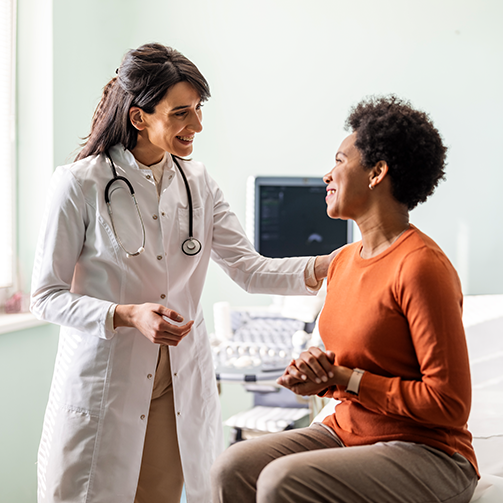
pixel 311 465
pixel 161 476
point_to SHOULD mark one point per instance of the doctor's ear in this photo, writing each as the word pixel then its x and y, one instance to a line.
pixel 137 118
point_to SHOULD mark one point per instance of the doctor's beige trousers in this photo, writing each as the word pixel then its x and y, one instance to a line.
pixel 161 476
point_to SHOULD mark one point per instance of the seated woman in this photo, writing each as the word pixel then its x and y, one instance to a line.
pixel 396 352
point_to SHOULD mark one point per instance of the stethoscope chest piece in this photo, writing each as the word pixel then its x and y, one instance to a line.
pixel 191 246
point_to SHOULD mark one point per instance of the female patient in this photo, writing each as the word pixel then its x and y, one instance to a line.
pixel 396 353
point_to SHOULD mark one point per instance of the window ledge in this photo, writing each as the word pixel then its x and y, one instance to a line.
pixel 18 321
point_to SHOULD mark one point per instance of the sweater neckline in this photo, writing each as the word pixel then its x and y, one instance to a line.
pixel 368 261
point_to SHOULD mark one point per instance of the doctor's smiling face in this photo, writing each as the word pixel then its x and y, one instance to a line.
pixel 172 126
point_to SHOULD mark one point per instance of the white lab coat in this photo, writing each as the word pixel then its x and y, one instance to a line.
pixel 97 414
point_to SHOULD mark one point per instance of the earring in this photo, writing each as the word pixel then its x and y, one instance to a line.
pixel 371 187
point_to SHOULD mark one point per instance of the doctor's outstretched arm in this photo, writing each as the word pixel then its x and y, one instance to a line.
pixel 234 253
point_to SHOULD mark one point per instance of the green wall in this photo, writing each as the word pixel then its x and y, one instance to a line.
pixel 90 39
pixel 26 362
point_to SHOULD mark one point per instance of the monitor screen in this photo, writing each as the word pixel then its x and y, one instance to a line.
pixel 290 218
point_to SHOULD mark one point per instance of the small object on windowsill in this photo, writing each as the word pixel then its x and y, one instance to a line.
pixel 18 303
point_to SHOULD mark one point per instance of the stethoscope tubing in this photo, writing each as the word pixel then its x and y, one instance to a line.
pixel 191 246
pixel 110 211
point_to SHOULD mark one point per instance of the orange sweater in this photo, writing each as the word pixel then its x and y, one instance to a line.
pixel 398 317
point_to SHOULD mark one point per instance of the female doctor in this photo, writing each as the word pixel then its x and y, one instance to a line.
pixel 133 411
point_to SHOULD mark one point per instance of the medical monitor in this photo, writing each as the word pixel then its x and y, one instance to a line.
pixel 286 217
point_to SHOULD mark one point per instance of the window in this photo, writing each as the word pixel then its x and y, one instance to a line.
pixel 7 144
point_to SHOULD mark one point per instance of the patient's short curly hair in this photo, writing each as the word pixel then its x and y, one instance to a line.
pixel 388 129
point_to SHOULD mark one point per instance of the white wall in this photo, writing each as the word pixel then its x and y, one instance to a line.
pixel 284 73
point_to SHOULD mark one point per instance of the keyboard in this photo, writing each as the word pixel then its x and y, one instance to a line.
pixel 260 339
pixel 264 329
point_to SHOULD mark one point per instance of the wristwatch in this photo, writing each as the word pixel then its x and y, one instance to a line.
pixel 353 386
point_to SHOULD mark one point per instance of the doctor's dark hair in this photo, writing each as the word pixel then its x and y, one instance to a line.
pixel 388 129
pixel 143 79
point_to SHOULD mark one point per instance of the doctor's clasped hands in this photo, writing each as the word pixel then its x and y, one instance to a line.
pixel 152 321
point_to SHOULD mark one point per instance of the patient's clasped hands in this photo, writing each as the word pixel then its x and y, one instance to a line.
pixel 313 372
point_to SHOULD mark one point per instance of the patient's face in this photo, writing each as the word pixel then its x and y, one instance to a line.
pixel 348 190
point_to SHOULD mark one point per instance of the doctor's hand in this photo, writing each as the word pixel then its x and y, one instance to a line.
pixel 152 321
pixel 313 372
pixel 322 263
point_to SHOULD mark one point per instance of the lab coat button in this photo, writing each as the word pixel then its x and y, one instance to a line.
pixel 178 413
pixel 159 257
pixel 163 296
pixel 142 417
pixel 155 217
pixel 148 177
pixel 163 214
pixel 149 376
pixel 175 374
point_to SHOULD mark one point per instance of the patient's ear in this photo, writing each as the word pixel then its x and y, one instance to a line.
pixel 378 173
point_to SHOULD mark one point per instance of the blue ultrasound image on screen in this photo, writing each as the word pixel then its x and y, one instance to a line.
pixel 293 222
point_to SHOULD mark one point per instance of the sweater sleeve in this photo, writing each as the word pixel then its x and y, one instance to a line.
pixel 429 293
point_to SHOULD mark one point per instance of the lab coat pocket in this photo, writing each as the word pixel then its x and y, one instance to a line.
pixel 205 364
pixel 72 448
pixel 81 371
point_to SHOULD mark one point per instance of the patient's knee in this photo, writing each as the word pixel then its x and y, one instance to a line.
pixel 224 465
pixel 275 481
pixel 229 466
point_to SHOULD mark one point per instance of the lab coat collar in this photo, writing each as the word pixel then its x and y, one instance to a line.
pixel 122 155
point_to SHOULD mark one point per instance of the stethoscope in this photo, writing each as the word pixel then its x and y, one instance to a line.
pixel 191 246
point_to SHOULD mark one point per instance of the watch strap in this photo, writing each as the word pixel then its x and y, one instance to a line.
pixel 353 386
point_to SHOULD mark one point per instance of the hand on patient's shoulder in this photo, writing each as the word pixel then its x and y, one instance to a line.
pixel 322 264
